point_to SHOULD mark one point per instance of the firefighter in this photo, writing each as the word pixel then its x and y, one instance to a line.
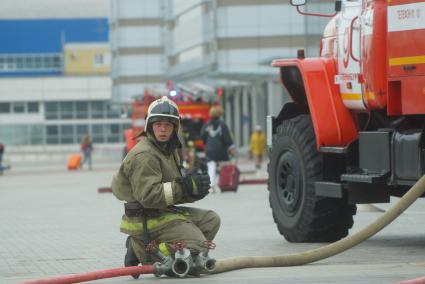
pixel 151 183
pixel 258 146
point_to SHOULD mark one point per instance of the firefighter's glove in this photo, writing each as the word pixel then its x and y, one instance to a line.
pixel 195 185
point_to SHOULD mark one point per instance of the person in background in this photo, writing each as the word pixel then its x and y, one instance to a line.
pixel 151 183
pixel 87 149
pixel 1 158
pixel 258 146
pixel 218 142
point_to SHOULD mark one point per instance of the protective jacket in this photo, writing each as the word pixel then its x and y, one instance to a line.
pixel 147 176
pixel 258 143
pixel 217 139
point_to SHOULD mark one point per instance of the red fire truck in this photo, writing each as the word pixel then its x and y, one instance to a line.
pixel 354 131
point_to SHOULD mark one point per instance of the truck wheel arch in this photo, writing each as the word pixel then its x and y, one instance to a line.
pixel 292 80
pixel 310 83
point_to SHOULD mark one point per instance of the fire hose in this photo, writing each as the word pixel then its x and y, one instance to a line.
pixel 241 262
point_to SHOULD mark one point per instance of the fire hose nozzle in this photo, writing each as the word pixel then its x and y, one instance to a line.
pixel 204 262
pixel 183 262
pixel 164 267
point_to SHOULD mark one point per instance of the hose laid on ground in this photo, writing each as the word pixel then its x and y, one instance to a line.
pixel 95 275
pixel 309 256
pixel 241 262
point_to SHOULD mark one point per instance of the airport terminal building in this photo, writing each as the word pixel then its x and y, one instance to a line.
pixel 66 70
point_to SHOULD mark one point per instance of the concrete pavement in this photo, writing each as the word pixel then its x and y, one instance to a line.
pixel 54 222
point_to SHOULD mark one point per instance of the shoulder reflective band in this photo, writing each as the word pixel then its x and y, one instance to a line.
pixel 168 193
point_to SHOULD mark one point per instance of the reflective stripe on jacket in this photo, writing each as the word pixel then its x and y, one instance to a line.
pixel 147 176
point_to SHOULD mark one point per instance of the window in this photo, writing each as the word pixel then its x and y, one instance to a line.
pixel 112 112
pixel 28 63
pixel 52 110
pixel 82 110
pixel 97 109
pixel 67 134
pixel 37 61
pixel 82 130
pixel 4 107
pixel 6 134
pixel 99 59
pixel 31 62
pixel 66 110
pixel 33 107
pixel 18 107
pixel 48 62
pixel 57 62
pixel 36 134
pixel 20 63
pixel 20 135
pixel 98 133
pixel 113 133
pixel 14 134
pixel 52 134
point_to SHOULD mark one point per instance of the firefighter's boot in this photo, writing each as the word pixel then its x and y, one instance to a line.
pixel 130 258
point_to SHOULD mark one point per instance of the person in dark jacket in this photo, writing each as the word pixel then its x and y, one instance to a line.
pixel 1 158
pixel 218 142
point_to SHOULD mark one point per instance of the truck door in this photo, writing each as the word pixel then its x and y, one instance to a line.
pixel 349 55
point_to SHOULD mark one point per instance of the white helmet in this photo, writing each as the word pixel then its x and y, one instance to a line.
pixel 163 109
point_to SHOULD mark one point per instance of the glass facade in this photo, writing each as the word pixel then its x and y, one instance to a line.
pixel 16 134
pixel 19 107
pixel 80 110
pixel 31 62
pixel 53 134
pixel 64 123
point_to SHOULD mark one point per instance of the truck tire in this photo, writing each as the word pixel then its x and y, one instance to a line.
pixel 294 166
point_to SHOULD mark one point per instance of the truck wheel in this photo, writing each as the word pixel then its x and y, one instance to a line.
pixel 294 166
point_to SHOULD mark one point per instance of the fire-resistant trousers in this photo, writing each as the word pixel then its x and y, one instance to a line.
pixel 200 225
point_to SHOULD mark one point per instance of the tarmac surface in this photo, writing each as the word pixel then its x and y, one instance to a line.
pixel 54 222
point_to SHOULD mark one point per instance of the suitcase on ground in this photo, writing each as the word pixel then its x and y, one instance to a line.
pixel 228 179
pixel 74 162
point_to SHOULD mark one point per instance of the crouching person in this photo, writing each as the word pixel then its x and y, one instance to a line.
pixel 150 182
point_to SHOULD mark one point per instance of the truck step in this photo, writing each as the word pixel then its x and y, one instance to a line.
pixel 371 178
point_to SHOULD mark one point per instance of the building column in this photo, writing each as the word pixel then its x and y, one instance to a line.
pixel 228 107
pixel 254 99
pixel 245 115
pixel 238 116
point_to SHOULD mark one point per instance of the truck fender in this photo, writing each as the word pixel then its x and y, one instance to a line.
pixel 333 123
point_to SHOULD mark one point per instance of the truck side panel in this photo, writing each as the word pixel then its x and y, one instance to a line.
pixel 406 57
pixel 374 54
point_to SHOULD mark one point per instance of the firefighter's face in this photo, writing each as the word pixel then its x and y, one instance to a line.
pixel 162 130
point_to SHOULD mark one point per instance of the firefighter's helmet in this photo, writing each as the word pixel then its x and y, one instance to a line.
pixel 163 109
